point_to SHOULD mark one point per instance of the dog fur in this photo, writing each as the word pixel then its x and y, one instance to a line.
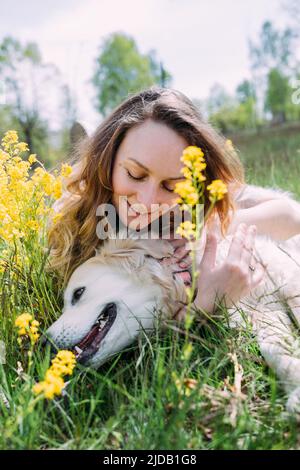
pixel 127 273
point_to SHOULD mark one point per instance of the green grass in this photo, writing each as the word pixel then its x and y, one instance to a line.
pixel 272 158
pixel 133 401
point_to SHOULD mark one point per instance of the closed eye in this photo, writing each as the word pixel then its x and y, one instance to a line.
pixel 142 178
pixel 134 177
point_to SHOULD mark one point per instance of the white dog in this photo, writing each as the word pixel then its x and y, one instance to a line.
pixel 115 296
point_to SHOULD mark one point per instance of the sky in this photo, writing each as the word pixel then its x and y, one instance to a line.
pixel 201 42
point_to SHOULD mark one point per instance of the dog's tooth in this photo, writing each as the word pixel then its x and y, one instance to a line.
pixel 78 350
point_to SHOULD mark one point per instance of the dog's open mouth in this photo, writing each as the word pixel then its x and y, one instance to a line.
pixel 89 345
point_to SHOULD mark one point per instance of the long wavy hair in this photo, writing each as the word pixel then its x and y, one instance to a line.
pixel 73 239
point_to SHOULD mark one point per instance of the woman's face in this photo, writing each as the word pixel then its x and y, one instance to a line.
pixel 146 170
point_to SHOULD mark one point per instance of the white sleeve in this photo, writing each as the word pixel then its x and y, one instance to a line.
pixel 250 195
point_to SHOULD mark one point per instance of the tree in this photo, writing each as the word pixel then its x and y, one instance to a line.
pixel 277 95
pixel 218 98
pixel 29 85
pixel 122 69
pixel 245 90
pixel 246 96
pixel 273 50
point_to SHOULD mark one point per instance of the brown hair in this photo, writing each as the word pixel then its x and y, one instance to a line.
pixel 73 239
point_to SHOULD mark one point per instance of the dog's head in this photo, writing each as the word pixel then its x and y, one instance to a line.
pixel 114 296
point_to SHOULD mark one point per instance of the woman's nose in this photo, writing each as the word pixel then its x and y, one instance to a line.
pixel 147 198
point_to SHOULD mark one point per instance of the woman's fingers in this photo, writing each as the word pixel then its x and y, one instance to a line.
pixel 177 242
pixel 209 256
pixel 237 244
pixel 258 275
pixel 181 253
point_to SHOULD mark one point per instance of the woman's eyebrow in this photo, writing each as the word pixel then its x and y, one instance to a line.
pixel 146 169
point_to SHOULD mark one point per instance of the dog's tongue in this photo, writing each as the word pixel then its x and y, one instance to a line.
pixel 89 337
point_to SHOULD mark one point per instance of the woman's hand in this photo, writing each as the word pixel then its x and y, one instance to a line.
pixel 236 277
pixel 181 258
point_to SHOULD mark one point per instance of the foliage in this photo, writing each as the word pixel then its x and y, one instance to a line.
pixel 30 88
pixel 278 94
pixel 121 69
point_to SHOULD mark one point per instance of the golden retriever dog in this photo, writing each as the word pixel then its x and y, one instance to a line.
pixel 119 293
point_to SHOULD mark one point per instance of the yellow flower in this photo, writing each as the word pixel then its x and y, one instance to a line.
pixel 186 190
pixel 186 172
pixel 33 225
pixel 63 364
pixel 191 155
pixel 4 156
pixel 217 190
pixel 21 147
pixel 22 321
pixel 57 189
pixel 32 158
pixel 186 229
pixel 52 385
pixel 27 326
pixel 23 196
pixel 66 170
pixel 10 138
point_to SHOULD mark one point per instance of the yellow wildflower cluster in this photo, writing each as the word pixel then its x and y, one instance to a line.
pixel 191 191
pixel 27 326
pixel 188 190
pixel 63 364
pixel 217 190
pixel 53 384
pixel 24 191
pixel 186 229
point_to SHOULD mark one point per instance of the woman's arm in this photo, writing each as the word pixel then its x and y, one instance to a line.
pixel 277 218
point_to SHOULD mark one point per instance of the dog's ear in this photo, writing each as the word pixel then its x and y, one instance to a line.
pixel 77 133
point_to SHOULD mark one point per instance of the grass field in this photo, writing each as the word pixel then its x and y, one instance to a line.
pixel 145 398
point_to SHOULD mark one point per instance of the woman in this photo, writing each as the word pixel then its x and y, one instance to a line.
pixel 135 152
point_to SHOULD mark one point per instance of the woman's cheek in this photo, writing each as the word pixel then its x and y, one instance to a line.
pixel 122 186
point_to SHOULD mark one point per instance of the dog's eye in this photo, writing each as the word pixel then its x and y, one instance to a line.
pixel 77 294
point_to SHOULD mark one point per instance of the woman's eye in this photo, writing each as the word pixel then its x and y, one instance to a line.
pixel 142 177
pixel 169 190
pixel 134 177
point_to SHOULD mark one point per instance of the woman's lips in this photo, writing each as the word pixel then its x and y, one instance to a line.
pixel 133 212
pixel 149 216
